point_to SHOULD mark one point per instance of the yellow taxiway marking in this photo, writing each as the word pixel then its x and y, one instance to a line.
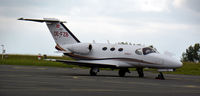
pixel 96 90
pixel 29 68
pixel 75 77
pixel 42 68
pixel 22 67
pixel 191 86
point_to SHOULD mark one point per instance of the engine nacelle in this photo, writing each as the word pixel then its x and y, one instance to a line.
pixel 80 48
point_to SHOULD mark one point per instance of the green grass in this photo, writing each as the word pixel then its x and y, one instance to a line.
pixel 188 68
pixel 31 60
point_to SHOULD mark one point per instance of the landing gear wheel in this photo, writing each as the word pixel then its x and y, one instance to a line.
pixel 122 72
pixel 140 72
pixel 160 76
pixel 93 71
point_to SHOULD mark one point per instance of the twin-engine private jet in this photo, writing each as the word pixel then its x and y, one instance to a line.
pixel 99 55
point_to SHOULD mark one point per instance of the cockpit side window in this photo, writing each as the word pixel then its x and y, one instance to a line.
pixel 138 51
pixel 148 50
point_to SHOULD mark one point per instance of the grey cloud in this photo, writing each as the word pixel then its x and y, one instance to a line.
pixel 193 5
pixel 34 8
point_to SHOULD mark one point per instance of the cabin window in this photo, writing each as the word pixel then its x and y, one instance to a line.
pixel 112 49
pixel 104 48
pixel 120 49
pixel 138 51
pixel 90 47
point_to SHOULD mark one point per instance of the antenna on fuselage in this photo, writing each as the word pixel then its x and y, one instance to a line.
pixel 93 41
pixel 108 41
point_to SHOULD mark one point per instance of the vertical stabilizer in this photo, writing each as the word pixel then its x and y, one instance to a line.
pixel 61 34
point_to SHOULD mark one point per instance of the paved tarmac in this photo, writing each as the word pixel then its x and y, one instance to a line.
pixel 51 81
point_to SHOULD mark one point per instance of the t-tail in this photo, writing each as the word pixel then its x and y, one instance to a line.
pixel 61 34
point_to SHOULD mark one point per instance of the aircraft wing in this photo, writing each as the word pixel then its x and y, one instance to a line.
pixel 93 63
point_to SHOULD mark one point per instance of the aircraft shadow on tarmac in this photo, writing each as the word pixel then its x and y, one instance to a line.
pixel 59 74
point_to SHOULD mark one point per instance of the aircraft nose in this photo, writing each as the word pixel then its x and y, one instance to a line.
pixel 178 64
pixel 174 63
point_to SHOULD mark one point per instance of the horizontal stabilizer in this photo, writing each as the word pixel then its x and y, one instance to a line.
pixel 43 20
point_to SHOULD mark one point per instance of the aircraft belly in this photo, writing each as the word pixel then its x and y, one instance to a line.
pixel 124 64
pixel 134 64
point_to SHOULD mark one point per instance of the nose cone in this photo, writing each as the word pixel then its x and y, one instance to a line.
pixel 173 62
pixel 177 64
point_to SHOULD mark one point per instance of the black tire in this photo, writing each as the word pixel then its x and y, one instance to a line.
pixel 122 73
pixel 93 73
pixel 140 72
pixel 160 76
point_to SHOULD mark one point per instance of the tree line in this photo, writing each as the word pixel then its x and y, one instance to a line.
pixel 192 54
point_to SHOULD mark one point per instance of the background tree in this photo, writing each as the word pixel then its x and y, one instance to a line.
pixel 192 54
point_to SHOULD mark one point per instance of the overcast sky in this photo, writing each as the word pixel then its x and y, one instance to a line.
pixel 169 25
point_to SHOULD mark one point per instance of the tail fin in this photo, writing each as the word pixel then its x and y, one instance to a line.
pixel 61 34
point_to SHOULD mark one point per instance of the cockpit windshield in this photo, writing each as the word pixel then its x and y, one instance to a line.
pixel 148 50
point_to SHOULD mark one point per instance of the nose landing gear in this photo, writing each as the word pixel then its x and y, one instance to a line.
pixel 122 72
pixel 160 76
pixel 93 71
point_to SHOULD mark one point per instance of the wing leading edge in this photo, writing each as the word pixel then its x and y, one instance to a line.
pixel 92 63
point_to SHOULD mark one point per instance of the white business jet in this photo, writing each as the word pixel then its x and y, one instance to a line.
pixel 99 55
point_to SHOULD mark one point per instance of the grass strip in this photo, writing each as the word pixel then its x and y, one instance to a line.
pixel 188 68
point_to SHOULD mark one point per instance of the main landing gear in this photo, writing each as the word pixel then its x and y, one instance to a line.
pixel 122 72
pixel 160 76
pixel 93 71
pixel 140 72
